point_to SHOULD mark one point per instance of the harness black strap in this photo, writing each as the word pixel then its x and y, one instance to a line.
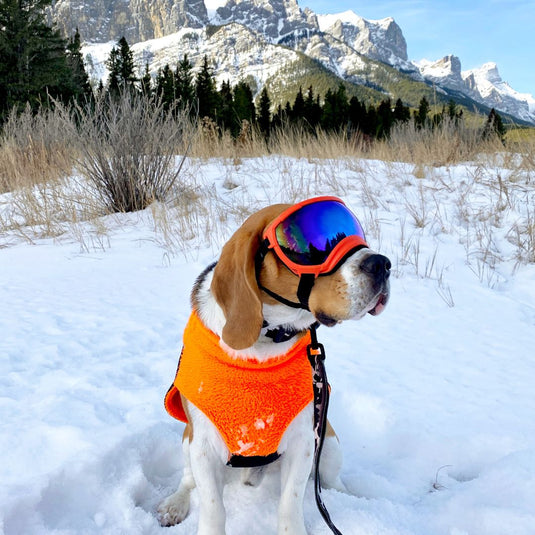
pixel 316 356
pixel 281 334
pixel 254 461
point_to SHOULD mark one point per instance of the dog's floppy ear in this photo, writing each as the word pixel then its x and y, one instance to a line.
pixel 234 283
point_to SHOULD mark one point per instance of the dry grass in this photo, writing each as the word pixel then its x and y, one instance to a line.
pixel 42 148
pixel 34 149
pixel 300 143
pixel 447 144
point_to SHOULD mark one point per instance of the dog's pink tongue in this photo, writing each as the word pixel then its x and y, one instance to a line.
pixel 380 306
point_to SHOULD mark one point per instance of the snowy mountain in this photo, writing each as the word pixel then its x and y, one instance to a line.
pixel 274 19
pixel 484 85
pixel 355 49
pixel 445 72
pixel 487 82
pixel 381 40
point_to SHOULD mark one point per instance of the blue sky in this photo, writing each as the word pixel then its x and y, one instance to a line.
pixel 476 31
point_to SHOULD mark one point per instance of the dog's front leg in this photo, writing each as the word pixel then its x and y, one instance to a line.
pixel 208 456
pixel 175 508
pixel 296 465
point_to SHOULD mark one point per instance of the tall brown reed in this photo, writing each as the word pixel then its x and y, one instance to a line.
pixel 34 149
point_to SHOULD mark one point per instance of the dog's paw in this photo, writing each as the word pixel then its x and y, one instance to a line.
pixel 173 509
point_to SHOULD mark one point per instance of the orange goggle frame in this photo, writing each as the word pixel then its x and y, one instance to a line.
pixel 315 235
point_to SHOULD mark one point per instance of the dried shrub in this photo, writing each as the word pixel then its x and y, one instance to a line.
pixel 128 148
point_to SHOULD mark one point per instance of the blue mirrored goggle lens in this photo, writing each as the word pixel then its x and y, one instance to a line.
pixel 309 235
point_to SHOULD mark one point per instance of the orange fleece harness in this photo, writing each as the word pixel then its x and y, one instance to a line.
pixel 250 402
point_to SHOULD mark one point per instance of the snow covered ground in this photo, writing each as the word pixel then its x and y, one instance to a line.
pixel 433 401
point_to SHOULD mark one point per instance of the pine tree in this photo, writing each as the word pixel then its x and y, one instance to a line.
pixel 356 114
pixel 185 90
pixel 122 68
pixel 287 112
pixel 264 116
pixel 298 109
pixel 421 115
pixel 278 118
pixel 439 117
pixel 112 63
pixel 312 110
pixel 33 59
pixel 146 82
pixel 244 108
pixel 328 112
pixel 226 117
pixel 81 88
pixel 402 113
pixel 335 109
pixel 205 91
pixel 101 91
pixel 165 87
pixel 385 119
pixel 342 104
pixel 452 110
pixel 369 126
pixel 127 67
pixel 244 103
pixel 494 126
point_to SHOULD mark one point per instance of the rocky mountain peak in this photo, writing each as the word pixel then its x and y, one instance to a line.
pixel 451 63
pixel 377 39
pixel 448 66
pixel 484 85
pixel 137 20
pixel 275 19
pixel 445 72
pixel 489 71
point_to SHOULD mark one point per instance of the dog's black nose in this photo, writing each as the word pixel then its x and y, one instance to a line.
pixel 378 266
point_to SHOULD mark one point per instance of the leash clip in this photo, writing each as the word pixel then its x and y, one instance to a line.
pixel 315 352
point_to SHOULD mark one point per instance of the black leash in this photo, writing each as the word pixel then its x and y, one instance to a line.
pixel 316 356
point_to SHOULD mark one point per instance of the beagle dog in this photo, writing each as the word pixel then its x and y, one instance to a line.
pixel 247 310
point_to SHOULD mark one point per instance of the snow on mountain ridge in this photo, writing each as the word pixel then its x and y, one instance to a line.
pixel 350 17
pixel 239 53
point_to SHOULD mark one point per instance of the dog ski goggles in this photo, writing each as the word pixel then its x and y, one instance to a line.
pixel 315 235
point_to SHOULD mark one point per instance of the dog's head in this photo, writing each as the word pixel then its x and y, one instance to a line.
pixel 359 285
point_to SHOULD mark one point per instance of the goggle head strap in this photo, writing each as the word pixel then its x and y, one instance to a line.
pixel 306 281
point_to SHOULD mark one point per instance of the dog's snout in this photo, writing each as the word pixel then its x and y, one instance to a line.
pixel 378 266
